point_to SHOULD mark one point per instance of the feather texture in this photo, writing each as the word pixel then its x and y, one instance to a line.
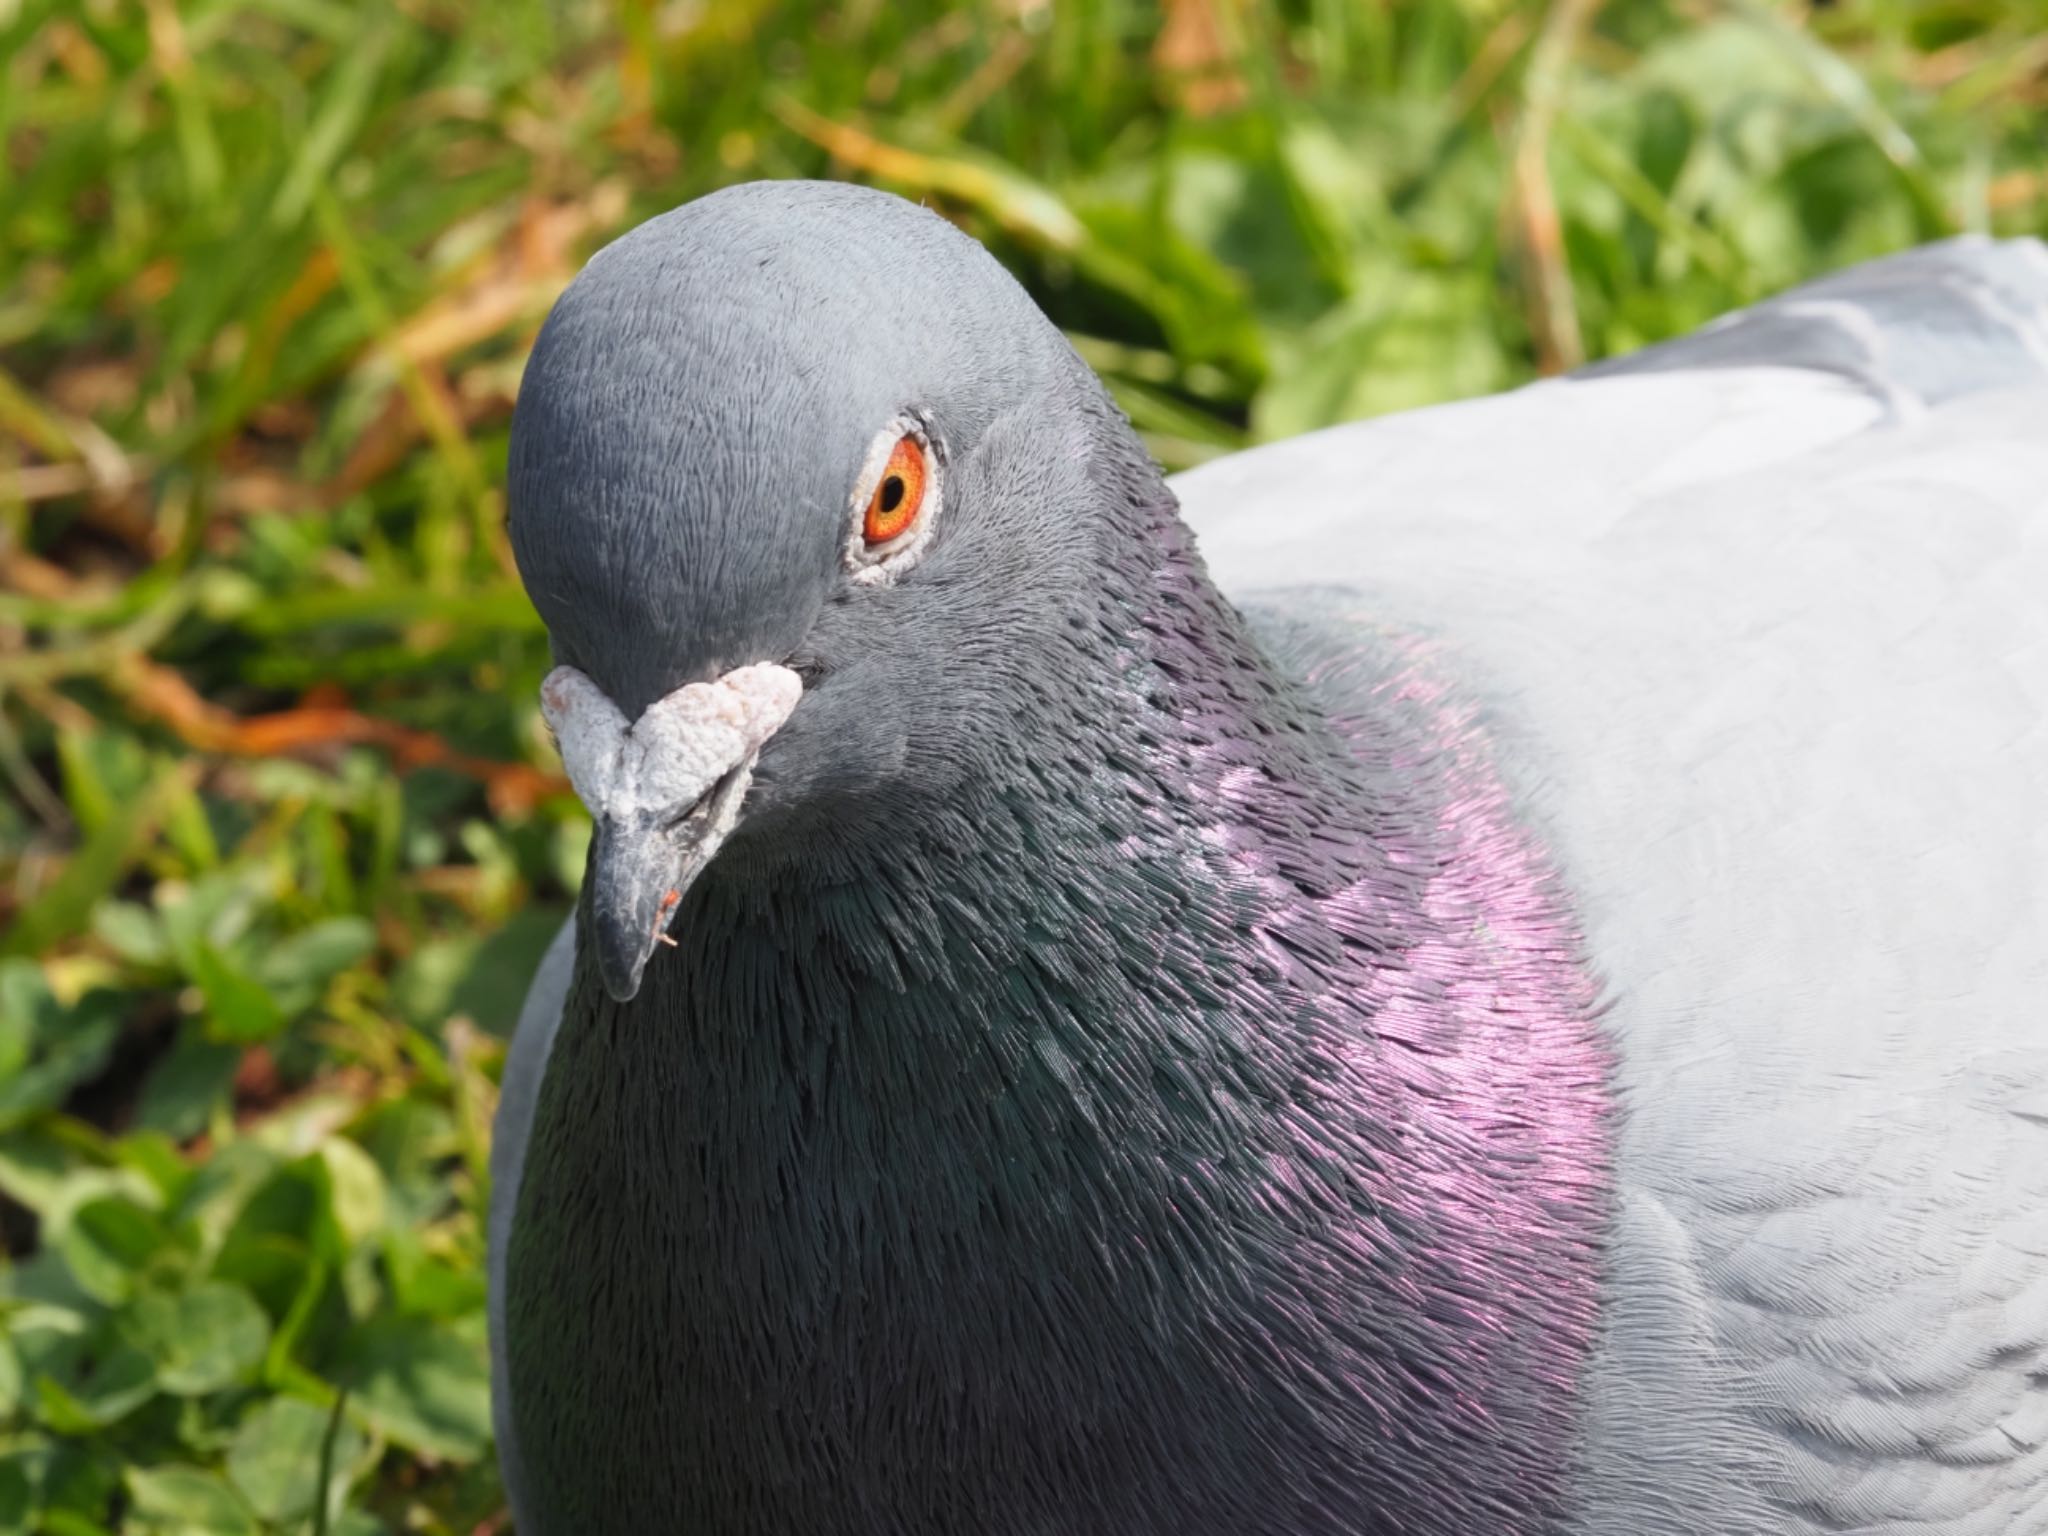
pixel 1529 1021
pixel 1782 709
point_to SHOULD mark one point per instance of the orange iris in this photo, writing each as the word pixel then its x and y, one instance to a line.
pixel 898 494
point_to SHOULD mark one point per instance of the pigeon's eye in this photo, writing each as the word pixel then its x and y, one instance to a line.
pixel 898 494
pixel 895 501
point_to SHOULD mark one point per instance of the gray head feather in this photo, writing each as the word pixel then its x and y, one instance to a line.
pixel 699 403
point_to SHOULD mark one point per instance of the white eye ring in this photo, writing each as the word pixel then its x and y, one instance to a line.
pixel 880 564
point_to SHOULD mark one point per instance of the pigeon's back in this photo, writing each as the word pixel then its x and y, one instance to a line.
pixel 1759 621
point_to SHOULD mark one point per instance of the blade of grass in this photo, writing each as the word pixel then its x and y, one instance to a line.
pixel 1836 76
pixel 1022 209
pixel 1636 189
pixel 429 402
pixel 31 421
pixel 324 1483
pixel 63 907
pixel 335 123
pixel 198 144
pixel 1553 311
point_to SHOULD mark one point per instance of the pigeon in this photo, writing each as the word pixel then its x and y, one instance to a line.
pixel 1484 971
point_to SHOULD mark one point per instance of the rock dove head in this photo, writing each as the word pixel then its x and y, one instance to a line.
pixel 800 481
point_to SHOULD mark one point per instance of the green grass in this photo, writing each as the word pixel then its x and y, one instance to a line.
pixel 280 836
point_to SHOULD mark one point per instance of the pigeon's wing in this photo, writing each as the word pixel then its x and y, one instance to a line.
pixel 525 1064
pixel 1965 317
pixel 1767 650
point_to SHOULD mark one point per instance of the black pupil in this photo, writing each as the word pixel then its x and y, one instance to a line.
pixel 892 493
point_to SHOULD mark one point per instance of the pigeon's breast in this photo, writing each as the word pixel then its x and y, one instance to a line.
pixel 1768 675
pixel 1224 1160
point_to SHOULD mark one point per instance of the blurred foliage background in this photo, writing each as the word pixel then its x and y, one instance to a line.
pixel 280 835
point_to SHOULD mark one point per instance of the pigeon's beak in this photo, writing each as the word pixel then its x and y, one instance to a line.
pixel 640 865
pixel 665 790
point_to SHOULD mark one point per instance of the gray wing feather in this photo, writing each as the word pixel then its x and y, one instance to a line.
pixel 1763 627
pixel 1967 316
pixel 519 1090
